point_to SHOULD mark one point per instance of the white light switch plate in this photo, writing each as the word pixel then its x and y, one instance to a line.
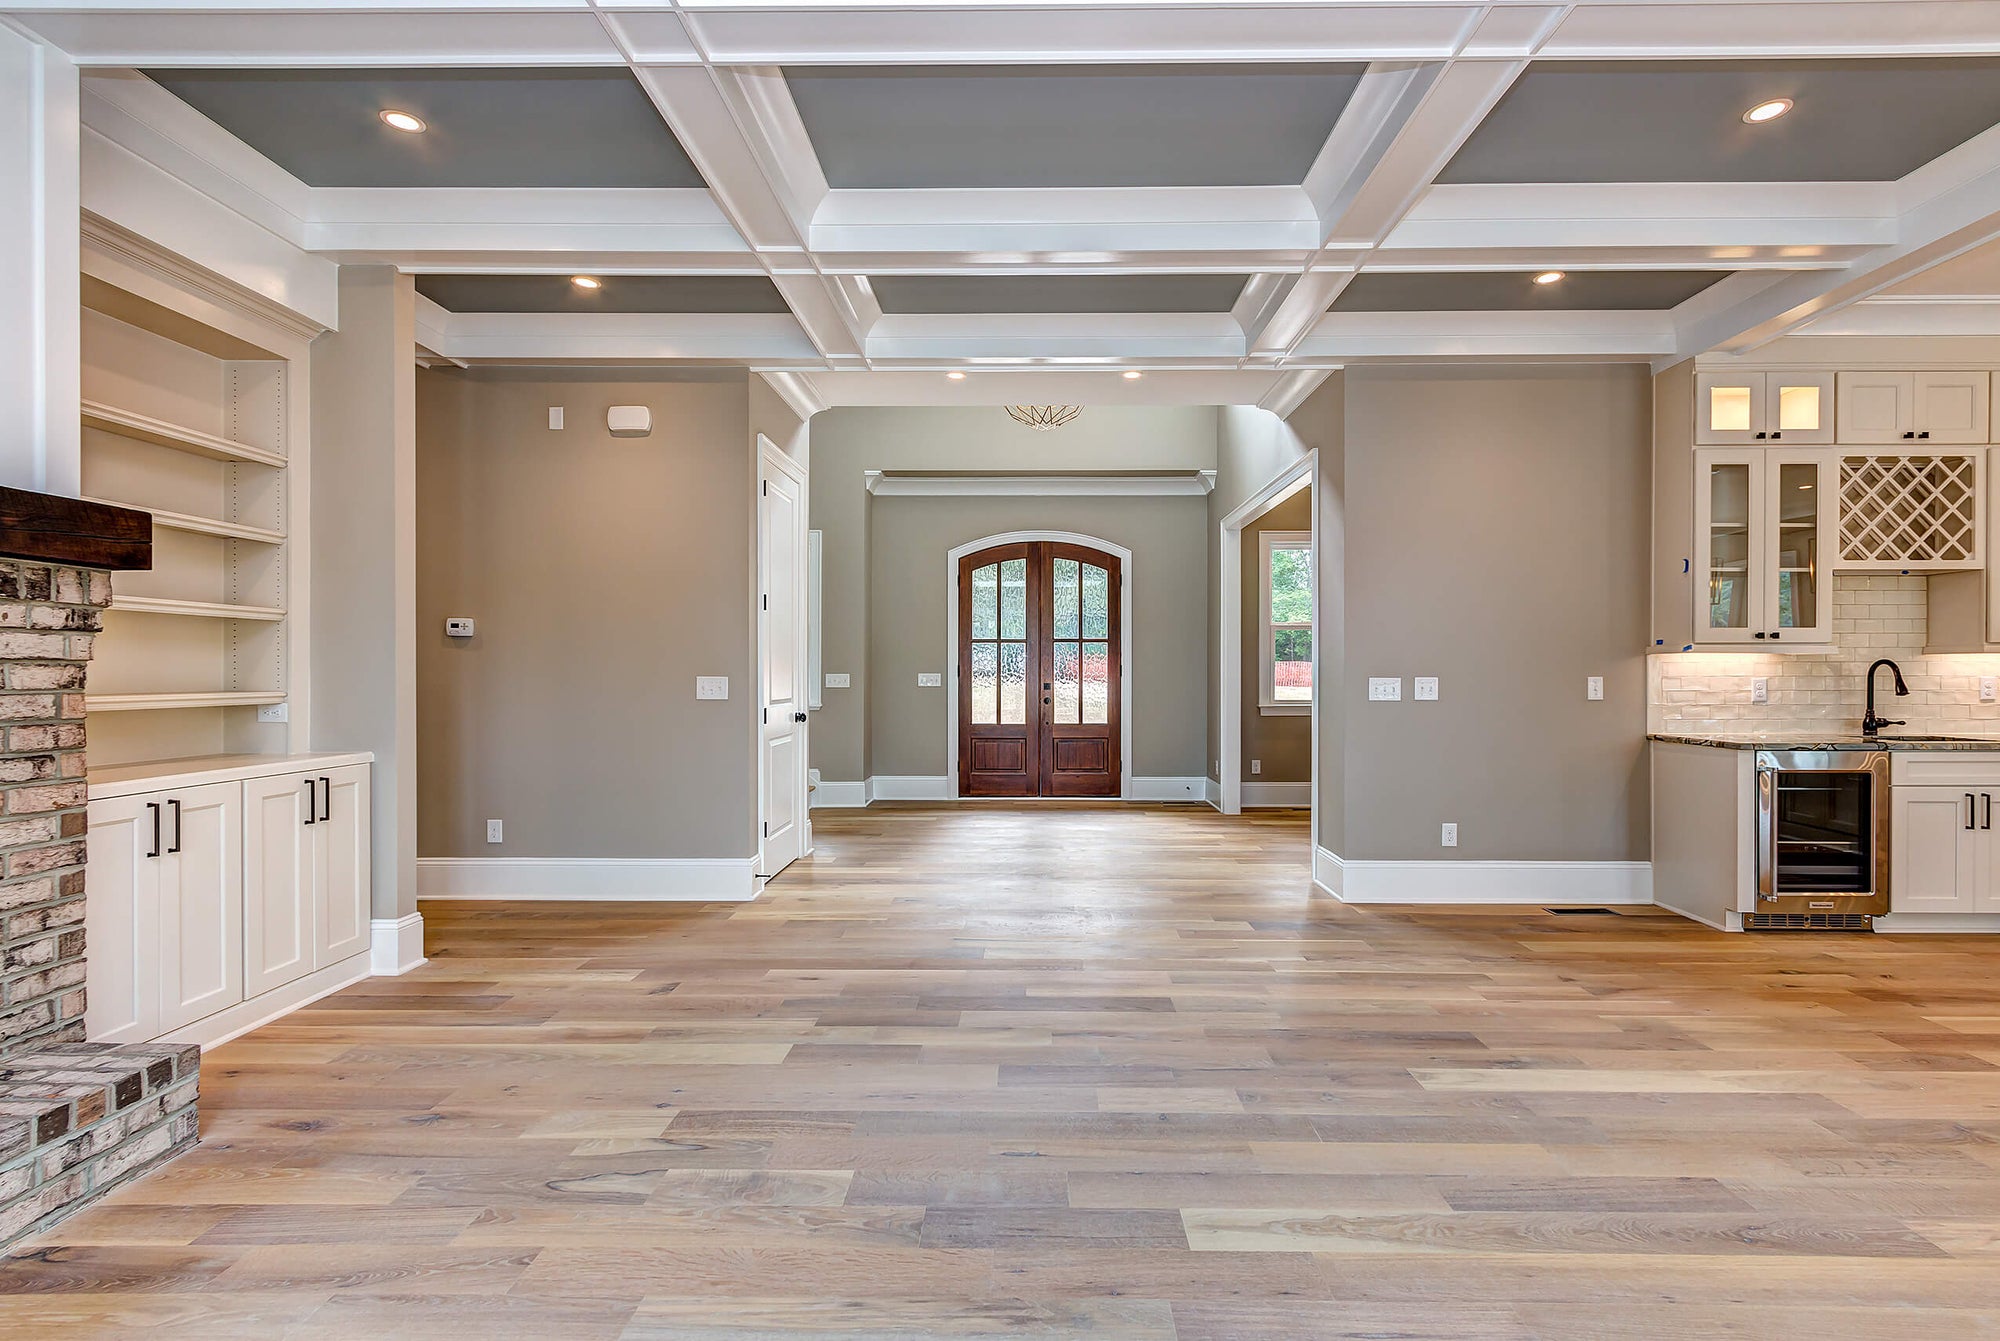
pixel 1424 688
pixel 1385 689
pixel 930 679
pixel 274 712
pixel 711 686
pixel 1989 689
pixel 555 416
pixel 1593 687
pixel 835 681
pixel 1760 689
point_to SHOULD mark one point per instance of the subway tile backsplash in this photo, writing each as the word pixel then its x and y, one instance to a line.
pixel 1874 615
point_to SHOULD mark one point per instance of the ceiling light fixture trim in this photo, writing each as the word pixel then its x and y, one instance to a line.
pixel 407 122
pixel 1769 110
pixel 1043 418
pixel 1551 277
pixel 586 281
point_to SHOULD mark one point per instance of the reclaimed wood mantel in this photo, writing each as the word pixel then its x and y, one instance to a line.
pixel 47 528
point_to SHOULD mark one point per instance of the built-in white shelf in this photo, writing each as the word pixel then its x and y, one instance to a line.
pixel 144 428
pixel 184 521
pixel 156 702
pixel 157 605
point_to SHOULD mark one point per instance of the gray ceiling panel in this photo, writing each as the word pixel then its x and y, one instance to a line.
pixel 1516 291
pixel 934 294
pixel 496 128
pixel 1025 126
pixel 1682 121
pixel 621 293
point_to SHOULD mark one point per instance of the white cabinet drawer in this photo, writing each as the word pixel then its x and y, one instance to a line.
pixel 1945 768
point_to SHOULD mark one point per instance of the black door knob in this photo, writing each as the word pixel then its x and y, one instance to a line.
pixel 798 717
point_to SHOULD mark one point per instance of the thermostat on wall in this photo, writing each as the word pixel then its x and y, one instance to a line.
pixel 458 628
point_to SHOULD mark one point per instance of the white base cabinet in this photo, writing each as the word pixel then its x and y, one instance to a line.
pixel 211 895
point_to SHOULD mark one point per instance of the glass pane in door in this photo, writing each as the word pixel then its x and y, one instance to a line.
pixel 1729 546
pixel 1096 602
pixel 1013 684
pixel 985 683
pixel 1798 546
pixel 1729 409
pixel 1798 408
pixel 1065 605
pixel 1097 682
pixel 1067 691
pixel 986 601
pixel 1013 598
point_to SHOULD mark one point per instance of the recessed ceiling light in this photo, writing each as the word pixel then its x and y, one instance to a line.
pixel 403 121
pixel 1134 375
pixel 586 281
pixel 1550 277
pixel 956 376
pixel 1768 111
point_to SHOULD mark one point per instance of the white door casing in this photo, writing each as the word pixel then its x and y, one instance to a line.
pixel 783 835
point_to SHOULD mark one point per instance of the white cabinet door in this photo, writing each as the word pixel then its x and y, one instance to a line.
pixel 1936 850
pixel 278 876
pixel 341 865
pixel 1951 407
pixel 1801 504
pixel 1876 407
pixel 1729 409
pixel 1798 408
pixel 1728 525
pixel 121 919
pixel 201 904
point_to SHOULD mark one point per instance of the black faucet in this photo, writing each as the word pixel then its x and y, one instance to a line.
pixel 1870 723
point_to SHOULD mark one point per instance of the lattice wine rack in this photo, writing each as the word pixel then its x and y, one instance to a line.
pixel 1901 510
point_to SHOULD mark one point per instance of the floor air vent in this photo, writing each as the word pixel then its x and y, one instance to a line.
pixel 1808 922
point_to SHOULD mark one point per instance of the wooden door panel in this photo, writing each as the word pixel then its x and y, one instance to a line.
pixel 1083 688
pixel 998 667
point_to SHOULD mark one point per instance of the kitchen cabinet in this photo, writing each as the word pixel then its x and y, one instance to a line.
pixel 1904 510
pixel 1764 522
pixel 1740 409
pixel 1899 407
pixel 216 899
pixel 163 921
pixel 1941 849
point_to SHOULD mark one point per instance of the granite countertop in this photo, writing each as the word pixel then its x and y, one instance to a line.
pixel 1830 742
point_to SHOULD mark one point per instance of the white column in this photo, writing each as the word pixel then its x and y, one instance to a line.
pixel 39 255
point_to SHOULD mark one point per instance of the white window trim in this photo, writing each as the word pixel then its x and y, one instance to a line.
pixel 1267 700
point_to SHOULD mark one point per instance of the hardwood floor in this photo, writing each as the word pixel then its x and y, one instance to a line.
pixel 1043 1071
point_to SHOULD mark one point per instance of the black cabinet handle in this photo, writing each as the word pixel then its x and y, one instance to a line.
pixel 1925 434
pixel 326 798
pixel 1763 435
pixel 1986 820
pixel 1910 435
pixel 175 802
pixel 312 803
pixel 1970 806
pixel 1763 635
pixel 1777 635
pixel 1776 436
pixel 154 806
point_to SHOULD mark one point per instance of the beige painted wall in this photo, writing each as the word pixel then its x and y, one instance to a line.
pixel 1282 742
pixel 850 441
pixel 363 672
pixel 910 540
pixel 1497 536
pixel 605 575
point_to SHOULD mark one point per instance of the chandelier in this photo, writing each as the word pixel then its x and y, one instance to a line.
pixel 1042 418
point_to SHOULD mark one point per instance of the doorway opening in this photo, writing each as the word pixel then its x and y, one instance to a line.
pixel 1040 665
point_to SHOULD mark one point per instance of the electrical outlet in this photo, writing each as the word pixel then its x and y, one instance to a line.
pixel 930 679
pixel 1593 688
pixel 1989 689
pixel 274 712
pixel 1385 689
pixel 1449 836
pixel 1256 767
pixel 711 686
pixel 492 831
pixel 1760 689
pixel 555 416
pixel 1425 688
pixel 832 681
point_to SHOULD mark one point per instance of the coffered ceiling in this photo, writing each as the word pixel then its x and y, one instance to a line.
pixel 1227 199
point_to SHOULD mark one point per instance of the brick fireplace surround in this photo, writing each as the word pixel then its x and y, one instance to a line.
pixel 76 1118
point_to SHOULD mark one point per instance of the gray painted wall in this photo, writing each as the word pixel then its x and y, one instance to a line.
pixel 850 441
pixel 605 574
pixel 910 540
pixel 364 523
pixel 1282 742
pixel 1497 537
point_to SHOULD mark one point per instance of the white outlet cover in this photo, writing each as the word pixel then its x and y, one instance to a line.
pixel 711 686
pixel 930 679
pixel 274 712
pixel 493 831
pixel 1448 836
pixel 1256 767
pixel 1425 688
pixel 1760 689
pixel 1989 688
pixel 833 681
pixel 1593 687
pixel 1385 689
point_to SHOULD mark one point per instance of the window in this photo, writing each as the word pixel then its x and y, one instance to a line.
pixel 1287 622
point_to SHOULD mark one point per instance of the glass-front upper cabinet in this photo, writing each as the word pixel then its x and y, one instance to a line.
pixel 1742 409
pixel 1764 544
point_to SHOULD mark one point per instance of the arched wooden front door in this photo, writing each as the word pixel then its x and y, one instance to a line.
pixel 1039 683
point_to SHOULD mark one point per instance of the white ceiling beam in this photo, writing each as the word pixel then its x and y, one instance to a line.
pixel 1349 337
pixel 621 337
pixel 272 34
pixel 1043 386
pixel 1126 336
pixel 1291 390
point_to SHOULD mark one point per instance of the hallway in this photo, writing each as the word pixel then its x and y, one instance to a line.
pixel 1049 1070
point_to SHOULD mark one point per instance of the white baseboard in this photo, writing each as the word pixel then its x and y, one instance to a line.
pixel 258 1011
pixel 1530 883
pixel 1329 872
pixel 588 879
pixel 1903 924
pixel 1275 795
pixel 1169 789
pixel 885 788
pixel 1211 792
pixel 839 795
pixel 395 944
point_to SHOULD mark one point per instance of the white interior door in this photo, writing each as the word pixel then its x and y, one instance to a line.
pixel 781 581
